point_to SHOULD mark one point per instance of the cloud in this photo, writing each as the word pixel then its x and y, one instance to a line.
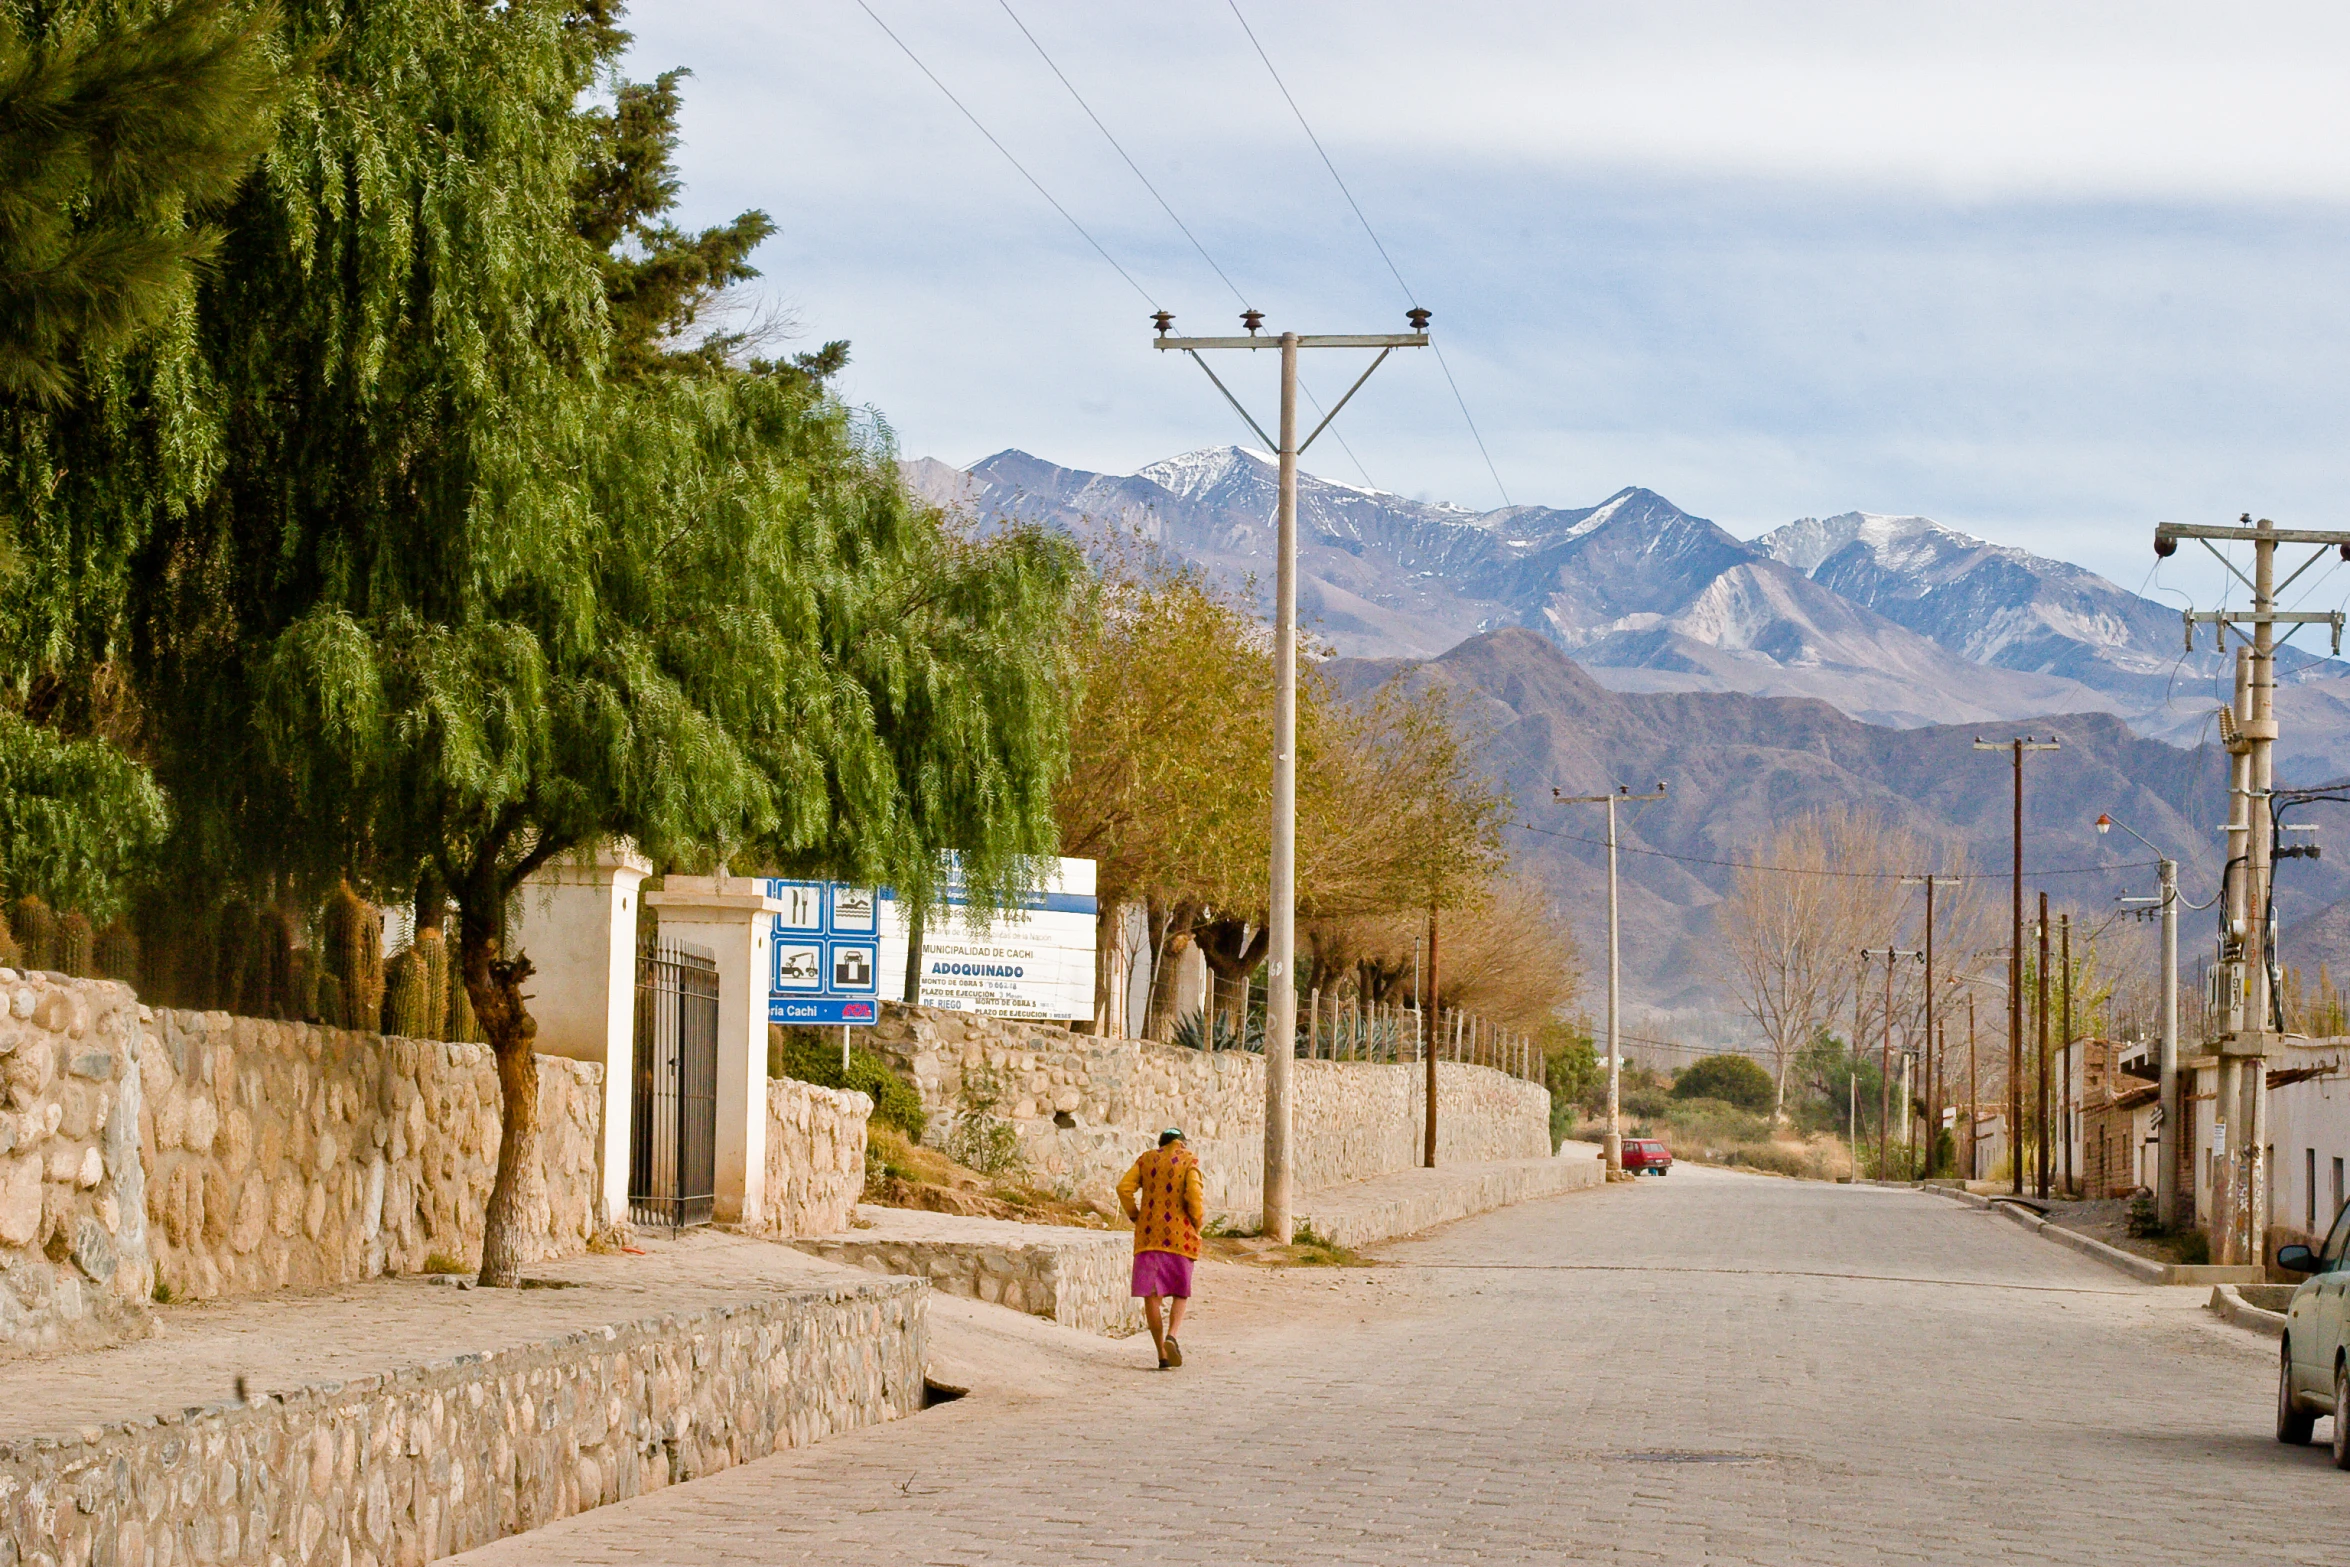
pixel 2047 273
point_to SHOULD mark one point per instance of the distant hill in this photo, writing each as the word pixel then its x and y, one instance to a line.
pixel 1737 764
pixel 1892 620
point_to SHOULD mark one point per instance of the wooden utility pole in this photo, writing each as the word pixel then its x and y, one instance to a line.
pixel 2015 957
pixel 1929 880
pixel 2072 1188
pixel 1885 1057
pixel 1613 1140
pixel 1428 1056
pixel 1281 953
pixel 1974 1085
pixel 2040 991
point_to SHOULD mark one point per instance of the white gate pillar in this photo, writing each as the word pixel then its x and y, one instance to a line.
pixel 732 915
pixel 576 918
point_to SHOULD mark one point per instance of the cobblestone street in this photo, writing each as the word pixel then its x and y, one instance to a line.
pixel 1708 1368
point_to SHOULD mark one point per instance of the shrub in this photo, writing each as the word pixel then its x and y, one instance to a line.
pixel 809 1057
pixel 980 1139
pixel 1740 1080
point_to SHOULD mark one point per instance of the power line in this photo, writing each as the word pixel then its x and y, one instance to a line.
pixel 1007 152
pixel 1122 153
pixel 1805 870
pixel 1409 297
pixel 1166 207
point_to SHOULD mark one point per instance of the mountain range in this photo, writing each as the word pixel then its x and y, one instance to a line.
pixel 1844 660
pixel 1891 620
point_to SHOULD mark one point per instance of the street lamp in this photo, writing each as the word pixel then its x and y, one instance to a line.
pixel 2166 1132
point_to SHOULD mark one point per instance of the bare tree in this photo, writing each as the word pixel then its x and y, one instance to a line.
pixel 1790 932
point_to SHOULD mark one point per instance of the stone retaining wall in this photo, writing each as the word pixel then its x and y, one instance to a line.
pixel 436 1460
pixel 815 1156
pixel 286 1154
pixel 1078 1278
pixel 1353 1119
pixel 74 1263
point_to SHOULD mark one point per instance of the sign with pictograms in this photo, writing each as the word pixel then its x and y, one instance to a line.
pixel 827 953
pixel 841 950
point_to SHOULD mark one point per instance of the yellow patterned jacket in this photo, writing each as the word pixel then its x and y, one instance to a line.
pixel 1162 1194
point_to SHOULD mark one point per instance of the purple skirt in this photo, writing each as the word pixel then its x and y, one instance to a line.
pixel 1162 1273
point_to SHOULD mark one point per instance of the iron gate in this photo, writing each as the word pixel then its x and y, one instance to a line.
pixel 673 1135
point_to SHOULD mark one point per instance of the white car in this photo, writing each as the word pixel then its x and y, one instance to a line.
pixel 2313 1371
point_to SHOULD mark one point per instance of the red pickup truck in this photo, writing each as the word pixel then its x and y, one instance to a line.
pixel 1647 1156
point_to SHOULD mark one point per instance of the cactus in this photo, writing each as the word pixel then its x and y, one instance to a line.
pixel 11 955
pixel 36 932
pixel 407 1010
pixel 117 953
pixel 232 956
pixel 273 965
pixel 330 1001
pixel 302 985
pixel 354 954
pixel 460 1023
pixel 433 954
pixel 76 945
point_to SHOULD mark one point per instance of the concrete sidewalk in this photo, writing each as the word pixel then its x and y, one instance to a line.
pixel 1363 1212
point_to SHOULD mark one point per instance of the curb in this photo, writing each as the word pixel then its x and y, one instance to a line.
pixel 2229 1306
pixel 2144 1269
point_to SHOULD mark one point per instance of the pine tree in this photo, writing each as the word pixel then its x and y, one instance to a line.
pixel 114 136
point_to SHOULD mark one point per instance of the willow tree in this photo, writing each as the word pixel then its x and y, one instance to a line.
pixel 121 133
pixel 452 601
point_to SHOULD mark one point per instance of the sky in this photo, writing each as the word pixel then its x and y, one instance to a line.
pixel 2045 272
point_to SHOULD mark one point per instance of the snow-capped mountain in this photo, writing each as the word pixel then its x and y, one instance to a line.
pixel 1892 620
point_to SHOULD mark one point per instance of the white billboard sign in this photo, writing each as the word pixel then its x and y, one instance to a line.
pixel 1034 961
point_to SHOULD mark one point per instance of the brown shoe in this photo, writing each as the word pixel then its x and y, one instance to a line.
pixel 1174 1354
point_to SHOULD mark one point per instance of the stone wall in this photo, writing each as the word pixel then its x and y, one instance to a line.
pixel 1078 1278
pixel 433 1461
pixel 74 1263
pixel 815 1156
pixel 286 1154
pixel 1085 1106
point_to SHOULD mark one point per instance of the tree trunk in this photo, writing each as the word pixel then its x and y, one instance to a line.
pixel 493 982
pixel 1170 934
pixel 1233 948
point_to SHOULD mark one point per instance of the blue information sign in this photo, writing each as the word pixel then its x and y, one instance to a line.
pixel 826 946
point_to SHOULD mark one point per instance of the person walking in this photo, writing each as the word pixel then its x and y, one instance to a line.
pixel 1162 1194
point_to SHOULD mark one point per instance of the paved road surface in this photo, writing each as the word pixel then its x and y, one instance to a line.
pixel 1709 1368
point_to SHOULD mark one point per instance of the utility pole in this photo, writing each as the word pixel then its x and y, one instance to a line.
pixel 2015 958
pixel 1614 1141
pixel 2040 995
pixel 1929 880
pixel 1974 1085
pixel 1281 955
pixel 1885 1057
pixel 2250 731
pixel 2064 1080
pixel 2166 1131
pixel 1428 1056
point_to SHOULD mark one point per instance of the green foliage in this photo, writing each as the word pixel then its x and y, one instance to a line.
pixel 980 1139
pixel 1224 1033
pixel 658 279
pixel 805 1054
pixel 75 817
pixel 1571 1069
pixel 114 134
pixel 1736 1079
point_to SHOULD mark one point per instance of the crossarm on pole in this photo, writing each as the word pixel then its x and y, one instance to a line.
pixel 1342 402
pixel 1271 445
